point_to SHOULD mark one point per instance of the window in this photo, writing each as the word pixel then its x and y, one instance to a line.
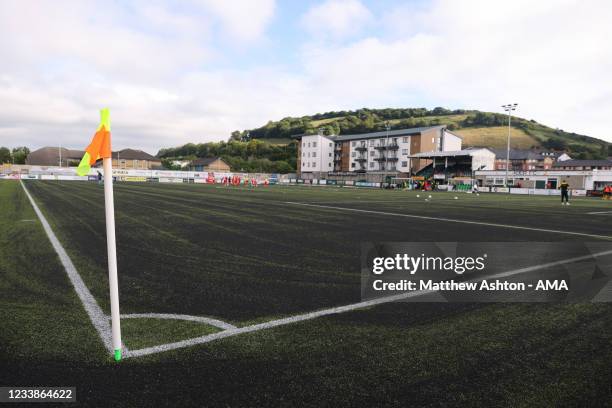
pixel 314 144
pixel 353 154
pixel 308 144
pixel 303 154
pixel 371 165
pixel 404 164
pixel 404 151
pixel 303 164
pixel 314 164
pixel 372 142
pixel 354 144
pixel 308 154
pixel 303 144
pixel 405 139
pixel 373 153
pixel 329 154
pixel 314 154
pixel 353 165
pixel 330 144
pixel 328 164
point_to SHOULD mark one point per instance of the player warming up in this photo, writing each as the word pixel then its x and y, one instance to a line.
pixel 564 192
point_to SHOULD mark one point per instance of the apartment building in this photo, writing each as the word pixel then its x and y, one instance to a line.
pixel 382 153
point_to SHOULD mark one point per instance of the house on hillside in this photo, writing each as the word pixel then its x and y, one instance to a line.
pixel 210 164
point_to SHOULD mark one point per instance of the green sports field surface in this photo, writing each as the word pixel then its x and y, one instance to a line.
pixel 246 256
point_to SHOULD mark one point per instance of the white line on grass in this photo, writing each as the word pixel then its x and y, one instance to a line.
pixel 599 212
pixel 206 320
pixel 426 217
pixel 340 309
pixel 95 313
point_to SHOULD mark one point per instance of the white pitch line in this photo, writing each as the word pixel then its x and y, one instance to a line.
pixel 599 212
pixel 340 309
pixel 95 313
pixel 426 217
pixel 206 320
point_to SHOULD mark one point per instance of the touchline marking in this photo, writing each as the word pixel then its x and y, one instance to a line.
pixel 599 212
pixel 340 309
pixel 426 217
pixel 95 313
pixel 206 320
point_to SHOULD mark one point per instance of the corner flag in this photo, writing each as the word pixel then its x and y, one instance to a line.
pixel 100 147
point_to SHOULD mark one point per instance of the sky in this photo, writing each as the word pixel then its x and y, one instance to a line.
pixel 174 72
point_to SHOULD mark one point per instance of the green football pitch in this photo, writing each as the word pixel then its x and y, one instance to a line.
pixel 244 257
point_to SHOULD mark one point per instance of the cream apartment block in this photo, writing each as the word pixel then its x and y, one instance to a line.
pixel 378 153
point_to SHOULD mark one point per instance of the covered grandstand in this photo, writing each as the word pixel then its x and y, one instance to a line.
pixel 458 166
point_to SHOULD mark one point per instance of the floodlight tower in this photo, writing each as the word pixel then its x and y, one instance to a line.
pixel 508 108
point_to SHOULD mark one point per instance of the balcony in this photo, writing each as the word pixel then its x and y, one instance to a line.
pixel 362 148
pixel 380 159
pixel 393 146
pixel 361 159
pixel 380 147
pixel 392 158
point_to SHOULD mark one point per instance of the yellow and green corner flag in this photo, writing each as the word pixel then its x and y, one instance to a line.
pixel 100 146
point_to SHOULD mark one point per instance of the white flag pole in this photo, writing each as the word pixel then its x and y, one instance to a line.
pixel 112 255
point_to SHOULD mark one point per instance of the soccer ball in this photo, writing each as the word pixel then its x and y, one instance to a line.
pixel 429 196
pixel 456 198
pixel 418 196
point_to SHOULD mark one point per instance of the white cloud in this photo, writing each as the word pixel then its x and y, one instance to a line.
pixel 336 19
pixel 245 20
pixel 550 57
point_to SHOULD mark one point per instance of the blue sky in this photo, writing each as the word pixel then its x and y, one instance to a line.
pixel 195 70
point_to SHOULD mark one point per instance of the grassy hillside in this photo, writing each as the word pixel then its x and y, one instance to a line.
pixel 496 137
pixel 477 128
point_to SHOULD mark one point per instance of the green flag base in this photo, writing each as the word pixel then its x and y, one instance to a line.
pixel 117 354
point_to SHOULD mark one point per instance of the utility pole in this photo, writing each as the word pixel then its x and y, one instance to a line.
pixel 508 108
pixel 59 149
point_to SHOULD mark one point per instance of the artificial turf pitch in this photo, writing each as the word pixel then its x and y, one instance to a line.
pixel 246 256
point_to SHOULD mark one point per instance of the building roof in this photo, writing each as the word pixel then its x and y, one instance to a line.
pixel 584 163
pixel 454 153
pixel 133 154
pixel 49 156
pixel 383 133
pixel 205 161
pixel 522 154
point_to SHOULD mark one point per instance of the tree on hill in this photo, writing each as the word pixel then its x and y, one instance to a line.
pixel 20 154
